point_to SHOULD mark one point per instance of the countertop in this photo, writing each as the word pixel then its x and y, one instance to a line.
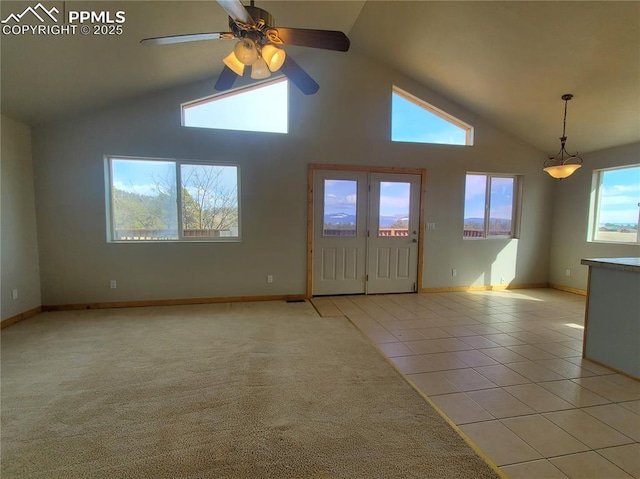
pixel 622 264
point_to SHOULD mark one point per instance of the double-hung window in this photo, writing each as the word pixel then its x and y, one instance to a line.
pixel 491 205
pixel 615 205
pixel 171 200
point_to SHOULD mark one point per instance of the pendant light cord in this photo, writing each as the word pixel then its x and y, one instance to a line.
pixel 564 122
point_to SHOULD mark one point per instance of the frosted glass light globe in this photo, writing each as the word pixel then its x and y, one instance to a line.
pixel 274 57
pixel 259 70
pixel 246 51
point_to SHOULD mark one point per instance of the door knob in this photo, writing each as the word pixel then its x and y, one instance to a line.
pixel 414 240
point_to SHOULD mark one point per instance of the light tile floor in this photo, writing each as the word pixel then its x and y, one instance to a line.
pixel 506 368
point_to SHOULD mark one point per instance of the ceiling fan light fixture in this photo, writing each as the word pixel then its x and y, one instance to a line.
pixel 563 164
pixel 246 51
pixel 259 70
pixel 273 56
pixel 234 64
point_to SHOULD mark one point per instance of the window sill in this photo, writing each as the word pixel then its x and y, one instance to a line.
pixel 490 238
pixel 173 241
pixel 613 242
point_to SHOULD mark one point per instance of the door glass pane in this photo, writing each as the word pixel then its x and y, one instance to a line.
pixel 340 206
pixel 143 200
pixel 474 203
pixel 501 207
pixel 395 201
pixel 209 201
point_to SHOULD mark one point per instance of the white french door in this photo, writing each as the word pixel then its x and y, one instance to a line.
pixel 339 232
pixel 365 232
pixel 392 249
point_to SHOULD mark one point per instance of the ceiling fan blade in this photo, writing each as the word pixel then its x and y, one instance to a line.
pixel 303 37
pixel 236 10
pixel 226 79
pixel 299 77
pixel 190 37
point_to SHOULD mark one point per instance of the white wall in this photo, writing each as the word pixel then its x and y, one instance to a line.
pixel 19 247
pixel 571 219
pixel 346 122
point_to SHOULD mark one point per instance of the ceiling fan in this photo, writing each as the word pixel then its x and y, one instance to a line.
pixel 259 46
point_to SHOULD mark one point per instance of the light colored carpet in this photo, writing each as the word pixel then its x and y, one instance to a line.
pixel 243 390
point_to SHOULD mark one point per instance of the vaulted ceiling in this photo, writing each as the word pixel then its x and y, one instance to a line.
pixel 509 62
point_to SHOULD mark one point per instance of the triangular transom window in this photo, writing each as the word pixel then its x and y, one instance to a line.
pixel 263 107
pixel 416 121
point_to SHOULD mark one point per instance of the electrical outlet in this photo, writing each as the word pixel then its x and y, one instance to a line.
pixel 502 281
pixel 454 272
pixel 113 284
pixel 14 294
pixel 269 278
pixel 567 272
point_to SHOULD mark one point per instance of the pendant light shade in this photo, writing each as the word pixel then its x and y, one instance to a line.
pixel 259 70
pixel 562 171
pixel 234 64
pixel 563 164
pixel 246 51
pixel 273 56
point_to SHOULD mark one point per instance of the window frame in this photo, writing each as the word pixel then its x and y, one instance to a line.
pixel 234 92
pixel 181 238
pixel 469 130
pixel 516 206
pixel 594 207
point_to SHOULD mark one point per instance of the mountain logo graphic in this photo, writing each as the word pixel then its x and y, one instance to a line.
pixel 17 17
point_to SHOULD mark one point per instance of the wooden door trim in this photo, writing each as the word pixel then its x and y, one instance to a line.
pixel 312 167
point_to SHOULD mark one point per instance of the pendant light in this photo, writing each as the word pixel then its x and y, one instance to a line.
pixel 563 165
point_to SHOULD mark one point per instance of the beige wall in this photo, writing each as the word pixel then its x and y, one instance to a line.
pixel 346 122
pixel 571 219
pixel 19 250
